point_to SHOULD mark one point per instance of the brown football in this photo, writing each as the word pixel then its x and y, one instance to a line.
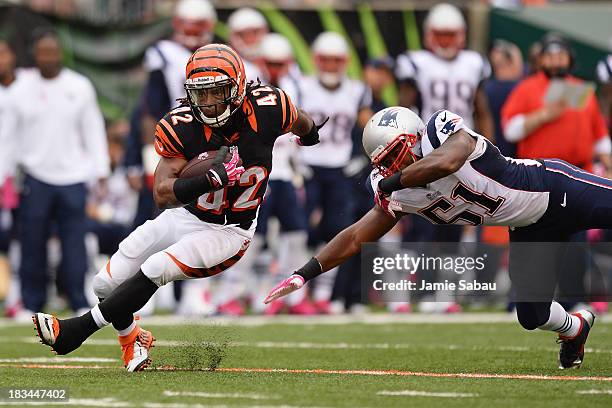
pixel 202 163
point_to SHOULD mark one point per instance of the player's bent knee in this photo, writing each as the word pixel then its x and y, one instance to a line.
pixel 102 285
pixel 161 269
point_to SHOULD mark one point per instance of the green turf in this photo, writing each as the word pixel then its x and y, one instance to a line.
pixel 502 348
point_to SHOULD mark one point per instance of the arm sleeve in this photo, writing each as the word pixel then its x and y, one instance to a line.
pixel 94 134
pixel 167 142
pixel 439 127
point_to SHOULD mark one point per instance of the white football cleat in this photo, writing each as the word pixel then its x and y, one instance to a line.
pixel 135 349
pixel 47 328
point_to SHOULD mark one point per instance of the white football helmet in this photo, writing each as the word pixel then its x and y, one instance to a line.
pixel 276 55
pixel 390 135
pixel 331 54
pixel 247 27
pixel 194 23
pixel 445 30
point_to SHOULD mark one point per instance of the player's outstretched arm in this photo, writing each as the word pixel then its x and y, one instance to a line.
pixel 305 129
pixel 443 161
pixel 371 227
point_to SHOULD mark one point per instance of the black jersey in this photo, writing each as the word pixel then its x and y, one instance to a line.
pixel 267 112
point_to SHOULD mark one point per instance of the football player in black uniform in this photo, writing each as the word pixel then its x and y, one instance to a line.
pixel 209 219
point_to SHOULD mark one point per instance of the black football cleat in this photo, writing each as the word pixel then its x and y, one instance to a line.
pixel 571 352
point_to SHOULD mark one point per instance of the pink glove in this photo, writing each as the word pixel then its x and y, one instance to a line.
pixel 232 169
pixel 291 284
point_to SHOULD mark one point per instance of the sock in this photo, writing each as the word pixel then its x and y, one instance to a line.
pixel 128 330
pixel 79 329
pixel 119 324
pixel 128 298
pixel 98 318
pixel 560 321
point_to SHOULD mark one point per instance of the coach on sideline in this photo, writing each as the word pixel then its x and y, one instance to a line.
pixel 60 143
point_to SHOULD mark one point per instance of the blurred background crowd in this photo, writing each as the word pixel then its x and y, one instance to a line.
pixel 83 83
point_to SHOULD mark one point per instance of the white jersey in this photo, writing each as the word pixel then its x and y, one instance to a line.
pixel 342 106
pixel 489 189
pixel 444 84
pixel 171 58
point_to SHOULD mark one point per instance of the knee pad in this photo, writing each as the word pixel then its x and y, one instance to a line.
pixel 102 285
pixel 161 269
pixel 532 315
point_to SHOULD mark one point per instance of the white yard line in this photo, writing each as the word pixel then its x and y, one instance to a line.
pixel 595 392
pixel 532 377
pixel 317 345
pixel 58 359
pixel 83 402
pixel 169 393
pixel 369 318
pixel 413 393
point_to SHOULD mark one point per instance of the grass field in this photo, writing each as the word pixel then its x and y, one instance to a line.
pixel 382 362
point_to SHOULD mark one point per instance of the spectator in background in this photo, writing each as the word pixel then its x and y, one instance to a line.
pixel 507 66
pixel 378 75
pixel 60 142
pixel 533 58
pixel 247 28
pixel 554 129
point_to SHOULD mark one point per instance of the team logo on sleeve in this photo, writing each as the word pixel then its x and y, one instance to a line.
pixel 389 118
pixel 449 127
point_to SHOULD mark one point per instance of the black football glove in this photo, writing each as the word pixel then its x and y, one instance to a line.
pixel 312 138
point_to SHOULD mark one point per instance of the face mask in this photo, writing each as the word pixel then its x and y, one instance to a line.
pixel 330 79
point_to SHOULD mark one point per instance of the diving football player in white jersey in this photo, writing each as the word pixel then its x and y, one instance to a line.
pixel 449 174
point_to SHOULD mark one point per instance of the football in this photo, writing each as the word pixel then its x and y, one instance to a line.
pixel 202 163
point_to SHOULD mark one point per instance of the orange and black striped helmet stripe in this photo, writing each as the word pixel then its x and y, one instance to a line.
pixel 215 59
